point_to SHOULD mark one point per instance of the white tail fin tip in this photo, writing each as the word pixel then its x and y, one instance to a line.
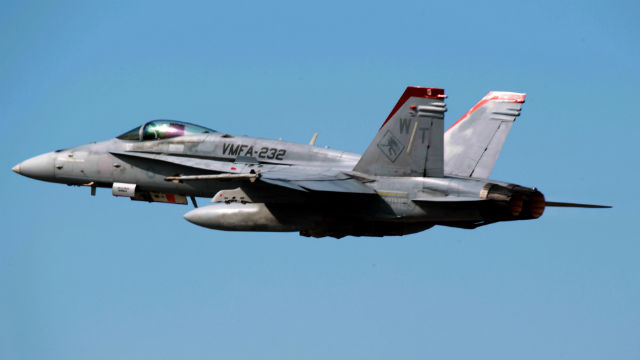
pixel 505 96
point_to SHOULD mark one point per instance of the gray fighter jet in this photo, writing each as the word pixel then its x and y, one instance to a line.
pixel 414 175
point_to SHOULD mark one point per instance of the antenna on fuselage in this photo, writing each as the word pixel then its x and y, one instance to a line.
pixel 313 139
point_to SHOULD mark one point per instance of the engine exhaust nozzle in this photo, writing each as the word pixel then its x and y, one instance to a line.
pixel 537 204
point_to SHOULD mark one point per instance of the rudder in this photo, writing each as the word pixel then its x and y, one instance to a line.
pixel 410 141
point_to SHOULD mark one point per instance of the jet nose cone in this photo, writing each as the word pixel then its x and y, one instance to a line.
pixel 38 167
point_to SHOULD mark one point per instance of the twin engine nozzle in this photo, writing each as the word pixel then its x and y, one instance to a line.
pixel 520 202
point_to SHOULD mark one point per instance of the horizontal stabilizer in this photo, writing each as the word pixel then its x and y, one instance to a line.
pixel 322 183
pixel 284 183
pixel 350 186
pixel 343 186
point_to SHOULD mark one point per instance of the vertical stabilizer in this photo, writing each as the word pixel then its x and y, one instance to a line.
pixel 473 143
pixel 410 141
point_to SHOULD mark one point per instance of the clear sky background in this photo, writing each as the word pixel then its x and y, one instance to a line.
pixel 86 277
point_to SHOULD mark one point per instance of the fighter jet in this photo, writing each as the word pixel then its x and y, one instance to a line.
pixel 413 175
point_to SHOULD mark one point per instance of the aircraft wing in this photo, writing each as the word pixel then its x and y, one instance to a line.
pixel 313 179
pixel 298 178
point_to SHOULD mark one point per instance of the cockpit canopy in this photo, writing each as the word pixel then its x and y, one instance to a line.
pixel 163 129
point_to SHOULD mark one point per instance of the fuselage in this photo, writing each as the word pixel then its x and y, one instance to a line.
pixel 411 177
pixel 102 164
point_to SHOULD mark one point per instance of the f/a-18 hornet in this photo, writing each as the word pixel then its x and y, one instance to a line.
pixel 414 175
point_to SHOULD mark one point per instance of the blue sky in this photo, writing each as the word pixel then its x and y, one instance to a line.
pixel 103 278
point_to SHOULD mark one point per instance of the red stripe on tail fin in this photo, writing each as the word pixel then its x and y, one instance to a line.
pixel 501 96
pixel 415 91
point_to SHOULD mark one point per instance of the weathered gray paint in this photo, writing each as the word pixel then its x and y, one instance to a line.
pixel 267 185
pixel 410 143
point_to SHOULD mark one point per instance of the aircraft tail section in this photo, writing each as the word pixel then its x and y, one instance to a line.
pixel 410 141
pixel 473 143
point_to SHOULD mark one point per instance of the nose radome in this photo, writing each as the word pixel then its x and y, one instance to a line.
pixel 38 167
